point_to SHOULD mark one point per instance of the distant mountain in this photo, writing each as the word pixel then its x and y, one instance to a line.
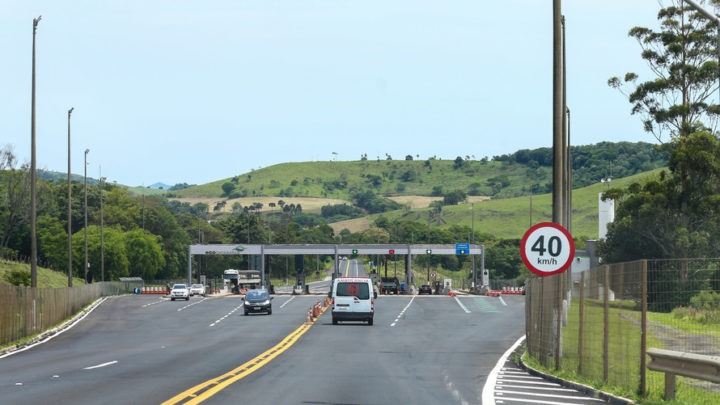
pixel 160 186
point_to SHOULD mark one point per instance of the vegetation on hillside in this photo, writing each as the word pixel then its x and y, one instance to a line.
pixel 504 176
pixel 148 235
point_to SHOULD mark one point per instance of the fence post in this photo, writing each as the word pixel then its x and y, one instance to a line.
pixel 606 324
pixel 581 324
pixel 643 330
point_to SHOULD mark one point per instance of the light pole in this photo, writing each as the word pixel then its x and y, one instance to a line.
pixel 86 236
pixel 472 242
pixel 102 228
pixel 33 175
pixel 69 208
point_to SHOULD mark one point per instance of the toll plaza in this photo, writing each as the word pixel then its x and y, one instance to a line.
pixel 404 251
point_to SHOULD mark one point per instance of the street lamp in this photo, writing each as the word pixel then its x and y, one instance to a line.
pixel 69 208
pixel 33 175
pixel 86 236
pixel 102 226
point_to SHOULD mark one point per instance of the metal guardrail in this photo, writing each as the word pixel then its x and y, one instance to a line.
pixel 672 363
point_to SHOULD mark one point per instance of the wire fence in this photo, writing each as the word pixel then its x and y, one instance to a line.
pixel 598 324
pixel 26 312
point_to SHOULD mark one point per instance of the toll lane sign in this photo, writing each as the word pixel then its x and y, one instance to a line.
pixel 547 248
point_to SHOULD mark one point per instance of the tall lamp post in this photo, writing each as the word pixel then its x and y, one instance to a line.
pixel 85 205
pixel 33 175
pixel 102 226
pixel 69 209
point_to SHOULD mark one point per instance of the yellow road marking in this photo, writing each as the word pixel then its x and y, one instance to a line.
pixel 207 389
pixel 347 269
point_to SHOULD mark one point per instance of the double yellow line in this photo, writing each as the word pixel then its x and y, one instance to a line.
pixel 207 389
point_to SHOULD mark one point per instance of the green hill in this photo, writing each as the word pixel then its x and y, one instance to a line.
pixel 504 176
pixel 509 218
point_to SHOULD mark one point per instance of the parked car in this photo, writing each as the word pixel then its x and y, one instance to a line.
pixel 258 301
pixel 425 289
pixel 197 289
pixel 180 291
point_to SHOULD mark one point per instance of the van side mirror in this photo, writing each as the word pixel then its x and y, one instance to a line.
pixel 375 294
pixel 329 294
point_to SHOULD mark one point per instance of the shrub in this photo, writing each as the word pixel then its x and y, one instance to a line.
pixel 18 277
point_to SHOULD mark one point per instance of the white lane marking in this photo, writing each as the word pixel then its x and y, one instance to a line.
pixel 502 386
pixel 488 394
pixel 450 386
pixel 403 311
pixel 534 401
pixel 155 302
pixel 549 396
pixel 502 300
pixel 287 302
pixel 226 315
pixel 467 311
pixel 109 363
pixel 194 303
pixel 533 382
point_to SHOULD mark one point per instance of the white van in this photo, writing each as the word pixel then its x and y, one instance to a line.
pixel 353 299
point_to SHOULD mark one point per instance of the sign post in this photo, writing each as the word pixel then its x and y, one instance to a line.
pixel 547 249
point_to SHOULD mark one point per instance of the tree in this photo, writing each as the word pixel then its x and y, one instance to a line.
pixel 683 56
pixel 228 188
pixel 674 215
pixel 144 253
pixel 454 197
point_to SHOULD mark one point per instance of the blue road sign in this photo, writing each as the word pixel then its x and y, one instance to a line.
pixel 462 248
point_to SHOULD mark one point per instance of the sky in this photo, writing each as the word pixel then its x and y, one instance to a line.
pixel 196 91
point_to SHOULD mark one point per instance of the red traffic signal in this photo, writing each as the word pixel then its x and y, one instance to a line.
pixel 392 251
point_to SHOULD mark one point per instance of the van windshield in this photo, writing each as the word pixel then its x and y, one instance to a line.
pixel 360 290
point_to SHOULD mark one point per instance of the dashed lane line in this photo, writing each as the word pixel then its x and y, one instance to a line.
pixel 467 311
pixel 226 315
pixel 403 311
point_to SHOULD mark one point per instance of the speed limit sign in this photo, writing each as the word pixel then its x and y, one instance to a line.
pixel 547 248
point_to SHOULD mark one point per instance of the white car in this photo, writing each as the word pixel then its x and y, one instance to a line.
pixel 180 291
pixel 197 289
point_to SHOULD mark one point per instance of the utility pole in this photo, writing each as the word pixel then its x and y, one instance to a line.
pixel 33 169
pixel 69 208
pixel 86 219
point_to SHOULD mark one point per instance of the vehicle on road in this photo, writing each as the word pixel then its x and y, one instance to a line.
pixel 236 280
pixel 197 289
pixel 390 285
pixel 180 291
pixel 425 289
pixel 258 301
pixel 353 300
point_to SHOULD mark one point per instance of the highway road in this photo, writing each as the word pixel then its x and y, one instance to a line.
pixel 148 350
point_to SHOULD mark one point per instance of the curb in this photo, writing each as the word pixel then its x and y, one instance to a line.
pixel 585 389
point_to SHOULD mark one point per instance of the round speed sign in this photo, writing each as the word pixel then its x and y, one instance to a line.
pixel 547 248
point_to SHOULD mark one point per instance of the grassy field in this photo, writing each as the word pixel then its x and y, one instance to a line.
pixel 46 278
pixel 505 218
pixel 623 349
pixel 310 179
pixel 509 218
